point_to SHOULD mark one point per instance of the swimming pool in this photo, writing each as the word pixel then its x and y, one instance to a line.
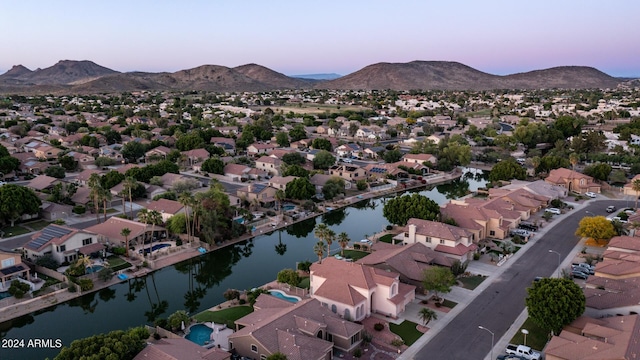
pixel 283 296
pixel 154 248
pixel 200 334
pixel 93 269
pixel 288 207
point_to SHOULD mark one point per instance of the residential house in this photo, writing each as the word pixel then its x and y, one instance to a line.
pixel 355 291
pixel 42 182
pixel 53 211
pixel 85 161
pixel 169 179
pixel 110 231
pixel 319 180
pixel 448 240
pixel 257 194
pixel 167 208
pixel 34 167
pixel 420 159
pixel 373 152
pixel 236 172
pixel 156 154
pixel 195 157
pixel 477 220
pixel 573 181
pixel 228 144
pixel 46 152
pixel 381 171
pixel 409 261
pixel 63 243
pixel 609 338
pixel 349 150
pixel 83 177
pixel 302 330
pixel 280 182
pixel 269 164
pixel 179 348
pixel 628 187
pixel 260 148
pixel 350 173
pixel 112 152
pixel 11 267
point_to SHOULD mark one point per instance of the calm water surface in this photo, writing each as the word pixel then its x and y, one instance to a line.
pixel 198 284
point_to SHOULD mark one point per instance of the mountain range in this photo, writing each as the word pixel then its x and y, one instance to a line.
pixel 86 77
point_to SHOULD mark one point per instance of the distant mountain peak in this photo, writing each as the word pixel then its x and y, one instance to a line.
pixel 17 70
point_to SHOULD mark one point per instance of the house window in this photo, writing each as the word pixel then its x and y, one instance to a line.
pixel 254 348
pixel 329 337
pixel 87 241
pixel 406 234
pixel 334 309
pixel 428 239
pixel 355 338
pixel 230 345
pixel 8 262
pixel 492 233
pixel 263 357
pixel 62 248
pixel 442 241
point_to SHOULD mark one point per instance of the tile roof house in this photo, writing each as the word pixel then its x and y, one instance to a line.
pixel 409 261
pixel 349 172
pixel 179 349
pixel 573 181
pixel 42 182
pixel 448 240
pixel 157 153
pixel 280 182
pixel 62 242
pixel 167 208
pixel 305 330
pixel 109 231
pixel 11 266
pixel 355 291
pixel 348 150
pixel 587 338
pixel 628 187
pixel 269 164
pixel 420 158
pixel 236 172
pixel 259 148
pixel 228 144
pixel 83 177
pixel 382 170
pixel 261 193
pixel 196 156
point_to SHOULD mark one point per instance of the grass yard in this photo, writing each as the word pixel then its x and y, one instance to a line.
pixel 355 254
pixel 38 224
pixel 472 282
pixel 116 263
pixel 388 238
pixel 537 337
pixel 13 231
pixel 449 304
pixel 225 316
pixel 407 331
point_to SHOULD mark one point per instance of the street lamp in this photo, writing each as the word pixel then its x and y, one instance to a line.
pixel 557 253
pixel 589 213
pixel 525 332
pixel 492 338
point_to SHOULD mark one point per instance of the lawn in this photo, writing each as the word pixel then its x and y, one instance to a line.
pixel 116 263
pixel 537 337
pixel 407 331
pixel 13 231
pixel 38 224
pixel 355 254
pixel 225 316
pixel 388 238
pixel 472 282
pixel 449 304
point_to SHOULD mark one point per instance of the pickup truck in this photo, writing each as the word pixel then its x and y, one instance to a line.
pixel 522 350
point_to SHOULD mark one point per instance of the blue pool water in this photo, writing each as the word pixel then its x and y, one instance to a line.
pixel 4 294
pixel 287 207
pixel 282 296
pixel 199 334
pixel 154 248
pixel 93 269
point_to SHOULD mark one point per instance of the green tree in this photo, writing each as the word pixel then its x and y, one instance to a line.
pixel 300 188
pixel 68 163
pixel 550 162
pixel 319 249
pixel 635 186
pixel 294 158
pixel 126 232
pixel 507 170
pixel 321 144
pixel 231 294
pixel 282 138
pixel 296 170
pixel 554 302
pixel 190 141
pixel 16 201
pixel 175 320
pixel 426 315
pixel 333 187
pixel 277 356
pixel 116 345
pixel 55 171
pixel 391 156
pixel 599 171
pixel 288 276
pixel 323 160
pixel 402 208
pixel 111 179
pixel 133 150
pixel 596 227
pixel 438 279
pixel 343 241
pixel 297 133
pixel 213 165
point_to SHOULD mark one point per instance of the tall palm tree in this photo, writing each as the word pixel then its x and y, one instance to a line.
pixel 635 186
pixel 154 218
pixel 94 194
pixel 279 196
pixel 143 216
pixel 105 195
pixel 129 184
pixel 186 199
pixel 426 315
pixel 331 236
pixel 343 241
pixel 319 248
pixel 573 159
pixel 126 232
pixel 320 231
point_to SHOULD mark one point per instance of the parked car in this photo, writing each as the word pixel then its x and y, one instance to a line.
pixel 555 211
pixel 522 350
pixel 585 268
pixel 528 226
pixel 611 208
pixel 510 357
pixel 618 219
pixel 579 274
pixel 520 232
pixel 590 194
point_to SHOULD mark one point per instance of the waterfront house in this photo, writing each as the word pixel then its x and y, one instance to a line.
pixel 573 181
pixel 448 240
pixel 63 243
pixel 11 266
pixel 420 159
pixel 179 348
pixel 356 291
pixel 257 194
pixel 349 173
pixel 109 231
pixel 167 208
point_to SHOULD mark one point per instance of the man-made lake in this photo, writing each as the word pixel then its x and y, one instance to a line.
pixel 198 284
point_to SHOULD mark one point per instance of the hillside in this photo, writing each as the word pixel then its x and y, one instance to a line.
pixel 272 78
pixel 64 72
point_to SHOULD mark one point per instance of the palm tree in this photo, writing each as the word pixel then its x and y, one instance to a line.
pixel 186 200
pixel 105 195
pixel 129 184
pixel 635 186
pixel 573 159
pixel 343 241
pixel 126 232
pixel 84 261
pixel 331 235
pixel 279 196
pixel 426 315
pixel 319 248
pixel 320 231
pixel 154 217
pixel 94 194
pixel 280 247
pixel 143 216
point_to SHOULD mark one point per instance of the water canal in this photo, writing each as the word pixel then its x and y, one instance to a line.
pixel 198 284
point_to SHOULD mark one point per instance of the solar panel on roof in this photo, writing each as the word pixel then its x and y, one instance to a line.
pixel 256 188
pixel 46 235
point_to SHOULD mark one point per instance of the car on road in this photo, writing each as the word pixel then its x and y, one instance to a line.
pixel 611 208
pixel 553 211
pixel 590 194
pixel 579 274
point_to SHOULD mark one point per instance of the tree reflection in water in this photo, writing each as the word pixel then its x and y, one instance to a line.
pixel 302 229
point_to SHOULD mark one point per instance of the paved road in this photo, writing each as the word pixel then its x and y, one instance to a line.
pixel 502 302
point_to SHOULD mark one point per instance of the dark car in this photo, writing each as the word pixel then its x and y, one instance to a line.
pixel 528 226
pixel 579 274
pixel 510 357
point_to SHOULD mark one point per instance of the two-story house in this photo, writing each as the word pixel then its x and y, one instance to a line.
pixel 63 243
pixel 11 266
pixel 573 181
pixel 269 164
pixel 349 172
pixel 451 241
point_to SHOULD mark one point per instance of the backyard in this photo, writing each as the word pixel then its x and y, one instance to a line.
pixel 226 316
pixel 116 263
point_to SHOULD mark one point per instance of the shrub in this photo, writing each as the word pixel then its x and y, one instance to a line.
pixel 397 342
pixel 79 209
pixel 357 353
pixel 118 250
pixel 47 261
pixel 476 256
pixel 18 289
pixel 178 242
pixel 389 227
pixel 85 284
pixel 378 327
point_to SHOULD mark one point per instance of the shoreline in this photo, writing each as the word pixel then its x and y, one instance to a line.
pixel 21 307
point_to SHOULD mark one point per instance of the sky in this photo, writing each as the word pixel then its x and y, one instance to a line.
pixel 309 37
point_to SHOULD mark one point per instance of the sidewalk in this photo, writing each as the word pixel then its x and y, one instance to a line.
pixel 464 297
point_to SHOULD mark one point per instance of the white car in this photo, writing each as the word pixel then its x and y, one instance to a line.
pixel 590 194
pixel 553 211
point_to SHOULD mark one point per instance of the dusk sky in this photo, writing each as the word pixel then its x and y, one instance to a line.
pixel 305 37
